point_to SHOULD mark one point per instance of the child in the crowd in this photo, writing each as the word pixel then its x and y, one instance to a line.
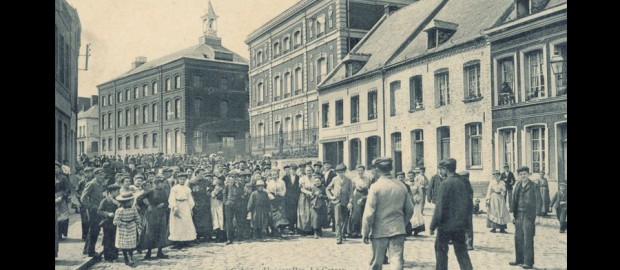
pixel 217 210
pixel 107 209
pixel 560 208
pixel 260 207
pixel 318 205
pixel 127 221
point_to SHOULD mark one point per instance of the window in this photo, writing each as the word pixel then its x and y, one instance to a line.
pixel 168 84
pixel 136 115
pixel 119 145
pixel 145 114
pixel 561 79
pixel 523 7
pixel 373 149
pixel 442 88
pixel 224 108
pixel 119 97
pixel 168 110
pixel 473 146
pixel 155 112
pixel 168 142
pixel 297 39
pixel 259 58
pixel 507 155
pixel 438 36
pixel 339 112
pixel 394 87
pixel 136 142
pixel 276 49
pixel 103 121
pixel 416 99
pixel 300 127
pixel 127 117
pixel 135 92
pixel 109 99
pixel 321 72
pixel 155 89
pixel 311 71
pixel 443 143
pixel 119 118
pixel 472 81
pixel 536 153
pixel 154 140
pixel 103 144
pixel 109 120
pixel 355 109
pixel 320 25
pixel 286 44
pixel 277 86
pixel 178 141
pixel 325 111
pixel 261 93
pixel 534 75
pixel 287 88
pixel 223 83
pixel 196 81
pixel 110 144
pixel 145 141
pixel 177 108
pixel 228 141
pixel 127 143
pixel 177 82
pixel 197 105
pixel 103 102
pixel 127 95
pixel 397 152
pixel 145 90
pixel 355 150
pixel 506 85
pixel 372 104
pixel 298 81
pixel 417 147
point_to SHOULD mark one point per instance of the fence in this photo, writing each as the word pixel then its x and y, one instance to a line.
pixel 288 144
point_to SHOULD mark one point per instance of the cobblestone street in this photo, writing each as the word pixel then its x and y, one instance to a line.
pixel 492 251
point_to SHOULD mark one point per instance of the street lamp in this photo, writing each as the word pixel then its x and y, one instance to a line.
pixel 557 65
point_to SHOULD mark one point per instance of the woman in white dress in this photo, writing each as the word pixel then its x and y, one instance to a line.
pixel 182 228
pixel 417 220
pixel 498 216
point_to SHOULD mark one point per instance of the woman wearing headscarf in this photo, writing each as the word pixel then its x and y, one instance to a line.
pixel 498 216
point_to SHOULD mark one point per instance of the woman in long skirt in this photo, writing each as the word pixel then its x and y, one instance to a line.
pixel 360 194
pixel 498 216
pixel 217 209
pixel 304 207
pixel 180 202
pixel 260 208
pixel 156 226
pixel 417 220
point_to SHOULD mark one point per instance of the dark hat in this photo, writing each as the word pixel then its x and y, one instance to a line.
pixel 182 175
pixel 327 162
pixel 98 170
pixel 88 169
pixel 318 163
pixel 360 166
pixel 79 168
pixel 287 166
pixel 382 160
pixel 400 173
pixel 496 172
pixel 463 173
pixel 158 179
pixel 245 172
pixel 140 166
pixel 124 197
pixel 341 168
pixel 448 163
pixel 138 176
pixel 167 169
pixel 411 171
pixel 113 187
pixel 523 169
pixel 506 166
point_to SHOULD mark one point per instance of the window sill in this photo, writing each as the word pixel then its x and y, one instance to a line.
pixel 416 110
pixel 470 100
pixel 475 168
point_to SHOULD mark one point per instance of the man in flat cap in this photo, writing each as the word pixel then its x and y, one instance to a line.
pixel 433 186
pixel 291 180
pixel 469 234
pixel 451 218
pixel 527 201
pixel 91 198
pixel 509 179
pixel 233 191
pixel 339 193
pixel 388 207
pixel 106 211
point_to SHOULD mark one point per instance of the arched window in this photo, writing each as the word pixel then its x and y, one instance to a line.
pixel 286 44
pixel 103 121
pixel 127 95
pixel 145 114
pixel 109 144
pixel 127 117
pixel 168 142
pixel 154 88
pixel 136 142
pixel 276 49
pixel 259 58
pixel 177 108
pixel 154 140
pixel 198 141
pixel 298 80
pixel 321 71
pixel 155 112
pixel 103 144
pixel 109 120
pixel 320 25
pixel 136 115
pixel 135 92
pixel 178 139
pixel 224 108
pixel 168 84
pixel 127 143
pixel 145 90
pixel 145 141
pixel 168 109
pixel 109 99
pixel 119 145
pixel 119 97
pixel 287 85
pixel 297 39
pixel 277 86
pixel 119 118
pixel 261 93
pixel 177 82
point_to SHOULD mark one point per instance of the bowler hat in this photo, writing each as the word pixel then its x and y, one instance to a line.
pixel 523 169
pixel 318 163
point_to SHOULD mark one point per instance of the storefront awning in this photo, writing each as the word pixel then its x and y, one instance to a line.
pixel 339 139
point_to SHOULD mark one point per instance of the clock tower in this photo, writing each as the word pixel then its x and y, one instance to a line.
pixel 209 27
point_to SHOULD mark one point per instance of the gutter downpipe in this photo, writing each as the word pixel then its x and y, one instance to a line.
pixel 161 86
pixel 383 70
pixel 115 140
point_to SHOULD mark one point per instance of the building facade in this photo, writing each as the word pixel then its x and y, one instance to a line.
pixel 191 101
pixel 423 98
pixel 529 69
pixel 88 132
pixel 289 56
pixel 67 33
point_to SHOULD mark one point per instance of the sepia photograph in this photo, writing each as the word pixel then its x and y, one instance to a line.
pixel 311 134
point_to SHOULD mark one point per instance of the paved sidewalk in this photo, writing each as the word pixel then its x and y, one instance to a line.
pixel 70 255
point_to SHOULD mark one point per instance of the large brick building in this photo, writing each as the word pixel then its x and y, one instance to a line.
pixel 67 33
pixel 422 97
pixel 191 101
pixel 289 56
pixel 529 68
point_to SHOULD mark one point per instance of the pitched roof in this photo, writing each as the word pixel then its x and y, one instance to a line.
pixel 92 112
pixel 211 11
pixel 388 35
pixel 199 52
pixel 471 16
pixel 554 3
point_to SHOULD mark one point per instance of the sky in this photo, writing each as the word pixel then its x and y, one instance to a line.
pixel 121 30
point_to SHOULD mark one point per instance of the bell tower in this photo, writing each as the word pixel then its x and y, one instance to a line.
pixel 209 27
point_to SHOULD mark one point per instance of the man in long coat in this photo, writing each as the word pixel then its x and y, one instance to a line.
pixel 292 195
pixel 91 198
pixel 526 205
pixel 469 234
pixel 433 187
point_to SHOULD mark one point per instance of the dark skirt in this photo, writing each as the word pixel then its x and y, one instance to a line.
pixel 202 216
pixel 290 205
pixel 278 215
pixel 156 228
pixel 318 217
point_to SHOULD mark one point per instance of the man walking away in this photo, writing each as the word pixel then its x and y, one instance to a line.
pixel 469 233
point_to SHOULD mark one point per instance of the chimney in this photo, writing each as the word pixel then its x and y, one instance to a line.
pixel 389 9
pixel 94 100
pixel 138 62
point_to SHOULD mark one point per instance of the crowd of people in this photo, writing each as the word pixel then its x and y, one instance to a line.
pixel 147 202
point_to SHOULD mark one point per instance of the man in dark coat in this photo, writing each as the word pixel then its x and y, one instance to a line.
pixel 291 180
pixel 527 202
pixel 328 174
pixel 202 208
pixel 561 199
pixel 88 176
pixel 91 198
pixel 106 210
pixel 433 187
pixel 339 193
pixel 232 196
pixel 452 217
pixel 509 179
pixel 469 234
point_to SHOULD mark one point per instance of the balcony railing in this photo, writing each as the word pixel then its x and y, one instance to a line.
pixel 288 144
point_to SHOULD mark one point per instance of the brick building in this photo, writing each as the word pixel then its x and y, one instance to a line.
pixel 529 69
pixel 67 33
pixel 423 97
pixel 191 101
pixel 289 56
